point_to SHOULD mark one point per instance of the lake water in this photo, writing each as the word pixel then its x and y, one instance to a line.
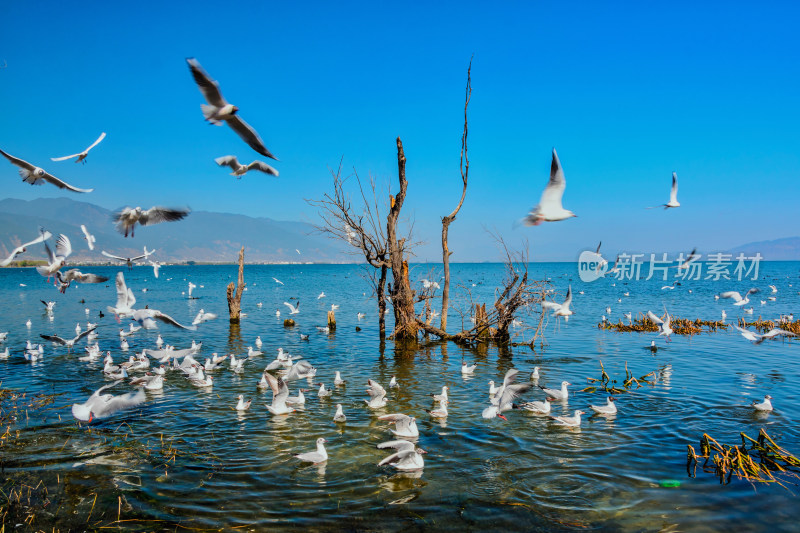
pixel 186 457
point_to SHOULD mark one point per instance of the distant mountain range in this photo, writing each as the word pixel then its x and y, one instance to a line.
pixel 202 236
pixel 787 249
pixel 205 236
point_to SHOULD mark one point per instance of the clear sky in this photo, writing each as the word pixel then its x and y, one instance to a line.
pixel 625 92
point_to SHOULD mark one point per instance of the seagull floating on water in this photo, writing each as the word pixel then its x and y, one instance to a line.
pixel 570 421
pixel 318 456
pixel 766 405
pixel 609 408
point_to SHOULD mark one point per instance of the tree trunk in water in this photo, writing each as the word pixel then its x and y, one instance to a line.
pixel 235 297
pixel 382 302
pixel 402 296
pixel 447 220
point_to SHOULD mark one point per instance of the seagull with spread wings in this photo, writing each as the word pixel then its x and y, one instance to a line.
pixel 129 260
pixel 550 208
pixel 43 236
pixel 37 176
pixel 82 155
pixel 240 170
pixel 90 240
pixel 63 281
pixel 127 219
pixel 218 110
pixel 147 317
pixel 125 298
pixel 69 343
pixel 56 259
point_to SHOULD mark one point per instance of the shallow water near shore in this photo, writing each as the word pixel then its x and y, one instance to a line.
pixel 187 457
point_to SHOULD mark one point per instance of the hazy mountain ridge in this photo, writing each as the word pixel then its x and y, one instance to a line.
pixel 786 249
pixel 202 236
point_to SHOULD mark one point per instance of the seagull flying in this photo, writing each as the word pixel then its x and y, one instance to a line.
pixel 561 309
pixel 37 176
pixel 240 170
pixel 129 260
pixel 69 343
pixel 56 259
pixel 673 195
pixel 219 110
pixel 82 155
pixel 63 281
pixel 127 218
pixel 293 310
pixel 44 235
pixel 550 208
pixel 738 299
pixel 90 240
pixel 147 317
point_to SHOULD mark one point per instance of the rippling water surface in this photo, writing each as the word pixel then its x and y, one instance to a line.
pixel 186 457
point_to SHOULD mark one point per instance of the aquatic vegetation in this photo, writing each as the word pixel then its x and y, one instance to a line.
pixel 756 460
pixel 680 326
pixel 762 326
pixel 609 385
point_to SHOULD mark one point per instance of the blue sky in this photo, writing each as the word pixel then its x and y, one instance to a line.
pixel 625 92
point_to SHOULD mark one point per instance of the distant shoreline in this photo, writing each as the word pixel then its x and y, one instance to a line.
pixel 35 263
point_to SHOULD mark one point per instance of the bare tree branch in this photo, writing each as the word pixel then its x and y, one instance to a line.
pixel 447 220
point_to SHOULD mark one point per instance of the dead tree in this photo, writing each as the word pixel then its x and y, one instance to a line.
pixel 361 229
pixel 447 220
pixel 235 300
pixel 405 319
pixel 491 324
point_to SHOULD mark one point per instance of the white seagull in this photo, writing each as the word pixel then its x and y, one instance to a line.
pixel 37 176
pixel 561 309
pixel 550 208
pixel 202 316
pixel 558 394
pixel 90 240
pixel 69 343
pixel 609 408
pixel 537 407
pixel 129 260
pixel 218 110
pixel 758 339
pixel 766 405
pixel 240 170
pixel 339 416
pixel 318 456
pixel 570 421
pixel 738 299
pixel 243 405
pixel 405 426
pixel 43 236
pixel 82 155
pixel 147 317
pixel 663 325
pixel 293 310
pixel 103 405
pixel 280 392
pixel 407 458
pixel 56 259
pixel 127 218
pixel 673 195
pixel 377 395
